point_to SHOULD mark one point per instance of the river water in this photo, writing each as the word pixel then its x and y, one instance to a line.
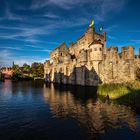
pixel 36 111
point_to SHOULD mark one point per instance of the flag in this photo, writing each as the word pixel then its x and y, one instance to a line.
pixel 92 23
pixel 101 29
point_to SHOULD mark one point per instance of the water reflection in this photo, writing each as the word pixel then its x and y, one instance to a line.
pixel 26 87
pixel 87 109
pixel 32 110
pixel 5 86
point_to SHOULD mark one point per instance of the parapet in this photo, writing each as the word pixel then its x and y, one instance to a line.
pixel 127 52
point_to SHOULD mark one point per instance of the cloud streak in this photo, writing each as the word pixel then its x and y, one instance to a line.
pixel 7 57
pixel 9 15
pixel 29 27
pixel 135 41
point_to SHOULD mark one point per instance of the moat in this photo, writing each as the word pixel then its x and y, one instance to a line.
pixel 36 111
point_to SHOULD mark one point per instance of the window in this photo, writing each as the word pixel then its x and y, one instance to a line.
pixel 95 49
pixel 61 54
pixel 100 49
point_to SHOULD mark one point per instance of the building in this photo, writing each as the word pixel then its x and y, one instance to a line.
pixel 7 72
pixel 89 62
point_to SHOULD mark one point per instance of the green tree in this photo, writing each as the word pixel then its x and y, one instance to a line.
pixel 17 72
pixel 26 69
pixel 37 70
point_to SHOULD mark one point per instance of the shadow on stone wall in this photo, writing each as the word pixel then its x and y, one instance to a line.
pixel 79 76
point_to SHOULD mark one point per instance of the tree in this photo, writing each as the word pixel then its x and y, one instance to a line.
pixel 17 73
pixel 37 70
pixel 26 69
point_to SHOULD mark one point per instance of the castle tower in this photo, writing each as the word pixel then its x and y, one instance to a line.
pixel 47 71
pixel 89 35
pixel 128 53
pixel 96 55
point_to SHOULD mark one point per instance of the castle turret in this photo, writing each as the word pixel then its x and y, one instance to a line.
pixel 128 53
pixel 89 35
pixel 96 53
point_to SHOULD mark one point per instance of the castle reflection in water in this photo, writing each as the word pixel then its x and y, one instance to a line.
pixel 89 111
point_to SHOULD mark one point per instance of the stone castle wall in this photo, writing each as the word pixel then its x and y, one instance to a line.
pixel 89 62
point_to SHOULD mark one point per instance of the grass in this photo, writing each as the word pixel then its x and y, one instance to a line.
pixel 115 91
pixel 127 93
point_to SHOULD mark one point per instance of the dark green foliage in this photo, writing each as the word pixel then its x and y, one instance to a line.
pixel 127 93
pixel 17 72
pixel 26 68
pixel 26 72
pixel 37 70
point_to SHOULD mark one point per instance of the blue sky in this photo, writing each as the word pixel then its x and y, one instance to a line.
pixel 30 29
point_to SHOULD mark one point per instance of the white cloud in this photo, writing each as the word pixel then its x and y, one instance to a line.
pixel 22 48
pixel 135 41
pixel 101 8
pixel 111 28
pixel 51 15
pixel 11 48
pixel 7 57
pixel 29 60
pixel 29 33
pixel 9 15
pixel 111 37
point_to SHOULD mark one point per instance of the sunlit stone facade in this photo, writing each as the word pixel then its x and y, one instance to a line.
pixel 89 62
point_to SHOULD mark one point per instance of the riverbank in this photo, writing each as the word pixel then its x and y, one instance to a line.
pixel 26 78
pixel 127 93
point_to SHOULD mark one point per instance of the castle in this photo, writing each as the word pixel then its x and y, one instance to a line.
pixel 89 62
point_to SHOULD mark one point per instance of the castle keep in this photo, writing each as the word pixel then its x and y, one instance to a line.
pixel 89 62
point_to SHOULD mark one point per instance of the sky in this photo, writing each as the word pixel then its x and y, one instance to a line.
pixel 31 29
